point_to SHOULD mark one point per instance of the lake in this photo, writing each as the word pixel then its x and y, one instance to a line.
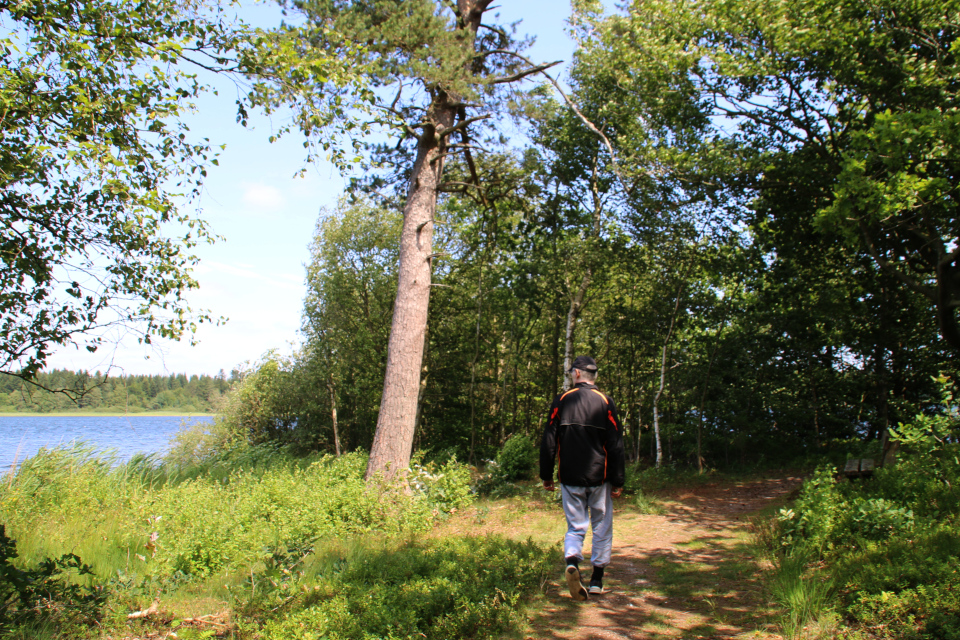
pixel 22 437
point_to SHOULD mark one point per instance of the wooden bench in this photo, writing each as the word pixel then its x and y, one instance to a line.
pixel 859 468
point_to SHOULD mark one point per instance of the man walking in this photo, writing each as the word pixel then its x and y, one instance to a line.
pixel 584 433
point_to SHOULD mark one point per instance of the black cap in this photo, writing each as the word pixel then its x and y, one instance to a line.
pixel 585 363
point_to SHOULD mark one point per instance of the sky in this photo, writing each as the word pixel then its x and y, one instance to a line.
pixel 255 275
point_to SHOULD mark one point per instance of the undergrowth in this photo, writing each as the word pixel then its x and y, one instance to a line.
pixel 269 536
pixel 881 554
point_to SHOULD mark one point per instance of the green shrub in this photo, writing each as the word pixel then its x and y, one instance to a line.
pixel 518 458
pixel 890 543
pixel 813 521
pixel 445 487
pixel 198 442
pixel 879 519
pixel 47 592
pixel 516 461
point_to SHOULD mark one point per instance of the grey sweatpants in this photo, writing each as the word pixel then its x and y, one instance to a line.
pixel 585 506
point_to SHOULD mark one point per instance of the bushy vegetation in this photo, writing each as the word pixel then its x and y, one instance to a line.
pixel 881 553
pixel 518 458
pixel 516 461
pixel 295 546
pixel 44 592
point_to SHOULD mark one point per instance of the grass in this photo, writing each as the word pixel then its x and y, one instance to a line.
pixel 276 547
pixel 267 545
pixel 806 597
pixel 648 505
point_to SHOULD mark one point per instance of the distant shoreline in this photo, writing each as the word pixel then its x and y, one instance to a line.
pixel 97 414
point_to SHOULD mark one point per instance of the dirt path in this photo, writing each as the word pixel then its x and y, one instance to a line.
pixel 688 573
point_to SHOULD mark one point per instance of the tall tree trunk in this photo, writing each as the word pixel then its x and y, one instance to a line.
pixel 576 303
pixel 663 375
pixel 706 384
pixel 555 351
pixel 703 402
pixel 396 423
pixel 473 365
pixel 333 415
pixel 816 408
pixel 656 402
pixel 638 430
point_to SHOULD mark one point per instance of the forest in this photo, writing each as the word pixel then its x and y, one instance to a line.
pixel 746 212
pixel 95 392
pixel 745 300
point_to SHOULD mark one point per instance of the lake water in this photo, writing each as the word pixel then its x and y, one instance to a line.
pixel 22 437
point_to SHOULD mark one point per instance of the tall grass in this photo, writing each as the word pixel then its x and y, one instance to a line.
pixel 263 532
pixel 152 518
pixel 806 598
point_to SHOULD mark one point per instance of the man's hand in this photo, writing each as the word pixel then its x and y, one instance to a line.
pixel 616 492
pixel 548 485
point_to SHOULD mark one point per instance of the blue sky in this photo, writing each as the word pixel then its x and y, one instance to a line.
pixel 255 275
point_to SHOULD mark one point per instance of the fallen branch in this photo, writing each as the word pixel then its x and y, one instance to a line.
pixel 203 620
pixel 149 611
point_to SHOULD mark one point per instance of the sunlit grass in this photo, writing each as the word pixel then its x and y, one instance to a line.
pixel 256 536
pixel 805 598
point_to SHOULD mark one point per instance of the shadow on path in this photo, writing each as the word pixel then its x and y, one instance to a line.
pixel 688 574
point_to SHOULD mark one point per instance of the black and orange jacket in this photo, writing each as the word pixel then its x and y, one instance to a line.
pixel 584 433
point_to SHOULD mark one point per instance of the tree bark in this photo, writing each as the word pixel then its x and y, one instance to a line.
pixel 555 350
pixel 576 303
pixel 424 378
pixel 333 415
pixel 706 384
pixel 663 376
pixel 473 367
pixel 396 423
pixel 656 402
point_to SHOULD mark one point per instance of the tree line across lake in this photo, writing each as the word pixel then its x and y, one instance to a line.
pixel 96 392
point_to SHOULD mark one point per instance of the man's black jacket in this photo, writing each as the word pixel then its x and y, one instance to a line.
pixel 584 433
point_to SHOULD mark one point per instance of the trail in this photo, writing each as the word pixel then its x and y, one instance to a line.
pixel 689 573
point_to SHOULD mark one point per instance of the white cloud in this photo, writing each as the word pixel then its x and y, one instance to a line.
pixel 263 197
pixel 283 281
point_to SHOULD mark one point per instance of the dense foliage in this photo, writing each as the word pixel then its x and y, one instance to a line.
pixel 124 393
pixel 47 590
pixel 882 552
pixel 696 249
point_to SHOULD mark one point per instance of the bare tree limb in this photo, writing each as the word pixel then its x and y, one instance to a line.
pixel 523 74
pixel 586 121
pixel 463 124
pixel 885 264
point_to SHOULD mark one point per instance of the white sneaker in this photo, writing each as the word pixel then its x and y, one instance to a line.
pixel 577 590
